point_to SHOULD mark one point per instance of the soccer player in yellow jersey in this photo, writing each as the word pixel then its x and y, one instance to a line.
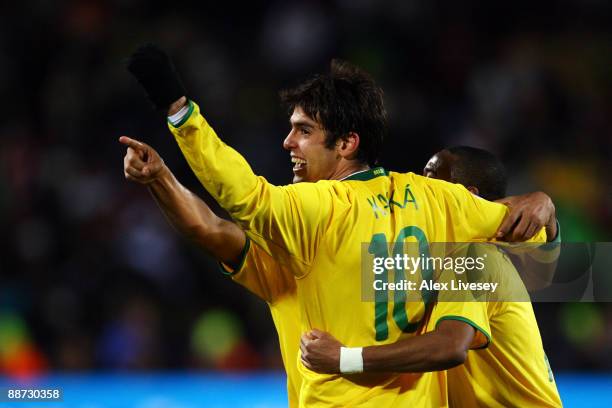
pixel 512 369
pixel 251 266
pixel 315 230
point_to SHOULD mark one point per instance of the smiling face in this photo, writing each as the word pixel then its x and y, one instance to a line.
pixel 312 159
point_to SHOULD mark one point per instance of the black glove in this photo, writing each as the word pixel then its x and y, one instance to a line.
pixel 155 72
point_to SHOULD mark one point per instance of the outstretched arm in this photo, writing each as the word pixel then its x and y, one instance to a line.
pixel 441 349
pixel 185 211
pixel 267 213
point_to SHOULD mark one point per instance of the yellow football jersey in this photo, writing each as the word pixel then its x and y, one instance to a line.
pixel 260 274
pixel 513 371
pixel 317 230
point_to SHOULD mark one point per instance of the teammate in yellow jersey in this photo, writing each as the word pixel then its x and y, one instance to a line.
pixel 513 371
pixel 315 229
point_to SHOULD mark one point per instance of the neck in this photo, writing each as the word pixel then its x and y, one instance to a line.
pixel 343 171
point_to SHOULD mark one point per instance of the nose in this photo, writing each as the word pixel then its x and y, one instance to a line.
pixel 289 142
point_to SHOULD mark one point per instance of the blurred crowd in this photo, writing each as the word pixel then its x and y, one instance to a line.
pixel 91 275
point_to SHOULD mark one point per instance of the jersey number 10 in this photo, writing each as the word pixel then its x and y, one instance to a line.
pixel 379 248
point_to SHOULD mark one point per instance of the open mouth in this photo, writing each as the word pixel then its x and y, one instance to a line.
pixel 298 164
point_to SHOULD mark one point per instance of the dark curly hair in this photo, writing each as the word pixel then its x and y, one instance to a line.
pixel 344 100
pixel 481 169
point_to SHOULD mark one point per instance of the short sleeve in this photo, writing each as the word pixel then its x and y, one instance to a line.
pixel 473 313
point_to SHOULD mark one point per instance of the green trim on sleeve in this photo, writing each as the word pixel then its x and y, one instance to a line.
pixel 471 323
pixel 557 239
pixel 227 269
pixel 185 118
pixel 554 244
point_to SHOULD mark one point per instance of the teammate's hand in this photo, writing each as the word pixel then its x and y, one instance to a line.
pixel 528 214
pixel 320 352
pixel 155 72
pixel 141 163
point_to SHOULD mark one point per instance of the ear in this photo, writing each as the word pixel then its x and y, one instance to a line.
pixel 473 190
pixel 347 146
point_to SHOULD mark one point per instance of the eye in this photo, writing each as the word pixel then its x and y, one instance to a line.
pixel 304 131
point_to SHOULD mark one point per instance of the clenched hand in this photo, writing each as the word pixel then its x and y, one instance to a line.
pixel 320 352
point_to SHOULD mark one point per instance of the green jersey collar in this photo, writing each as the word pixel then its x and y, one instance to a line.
pixel 368 174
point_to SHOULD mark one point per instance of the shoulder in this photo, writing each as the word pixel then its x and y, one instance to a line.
pixel 430 185
pixel 323 193
pixel 419 180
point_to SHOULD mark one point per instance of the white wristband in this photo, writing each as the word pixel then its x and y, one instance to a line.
pixel 178 116
pixel 351 360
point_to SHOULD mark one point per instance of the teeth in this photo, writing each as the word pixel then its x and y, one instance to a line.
pixel 297 161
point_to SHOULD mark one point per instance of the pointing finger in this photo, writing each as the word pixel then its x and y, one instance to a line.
pixel 133 143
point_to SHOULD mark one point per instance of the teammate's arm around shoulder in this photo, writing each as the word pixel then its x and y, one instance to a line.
pixel 471 218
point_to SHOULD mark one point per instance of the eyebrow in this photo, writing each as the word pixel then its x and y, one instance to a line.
pixel 304 123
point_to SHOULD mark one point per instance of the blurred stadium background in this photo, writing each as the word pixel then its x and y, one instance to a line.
pixel 93 280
